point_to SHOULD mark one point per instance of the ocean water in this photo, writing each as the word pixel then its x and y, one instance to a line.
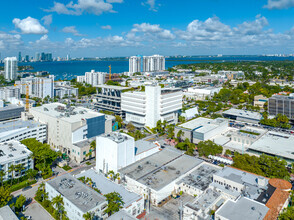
pixel 71 69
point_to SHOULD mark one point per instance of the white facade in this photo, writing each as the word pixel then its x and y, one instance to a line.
pixel 203 92
pixel 78 198
pixel 93 78
pixel 153 63
pixel 10 68
pixel 40 87
pixel 68 91
pixel 134 64
pixel 114 151
pixel 9 92
pixel 14 153
pixel 146 108
pixel 20 130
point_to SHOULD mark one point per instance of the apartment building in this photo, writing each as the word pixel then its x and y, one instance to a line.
pixel 153 63
pixel 63 91
pixel 9 92
pixel 92 78
pixel 10 68
pixel 8 112
pixel 14 153
pixel 78 198
pixel 40 87
pixel 155 103
pixel 135 64
pixel 19 129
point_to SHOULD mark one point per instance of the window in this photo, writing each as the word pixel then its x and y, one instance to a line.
pixel 84 153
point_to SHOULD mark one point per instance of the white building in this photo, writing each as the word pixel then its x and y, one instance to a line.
pixel 10 68
pixel 114 151
pixel 153 63
pixel 78 198
pixel 146 108
pixel 133 203
pixel 156 176
pixel 135 64
pixel 9 92
pixel 202 129
pixel 68 126
pixel 14 153
pixel 19 130
pixel 62 91
pixel 93 78
pixel 40 87
pixel 204 92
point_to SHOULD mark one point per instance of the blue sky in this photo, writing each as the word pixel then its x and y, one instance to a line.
pixel 98 28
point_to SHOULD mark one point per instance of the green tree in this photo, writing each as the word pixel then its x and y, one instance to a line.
pixel 115 203
pixel 5 196
pixel 206 148
pixel 88 216
pixel 19 168
pixel 131 127
pixel 180 134
pixel 119 120
pixel 2 174
pixel 11 170
pixel 20 201
pixel 57 201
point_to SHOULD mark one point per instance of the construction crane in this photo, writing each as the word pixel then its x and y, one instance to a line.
pixel 27 106
pixel 110 72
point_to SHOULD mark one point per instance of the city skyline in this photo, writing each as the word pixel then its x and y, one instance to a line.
pixel 110 28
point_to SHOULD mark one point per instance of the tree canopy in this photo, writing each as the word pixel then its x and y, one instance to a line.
pixel 115 203
pixel 206 148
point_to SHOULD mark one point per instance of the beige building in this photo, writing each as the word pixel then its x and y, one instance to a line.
pixel 259 101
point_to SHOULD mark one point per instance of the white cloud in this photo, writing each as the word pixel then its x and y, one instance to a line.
pixel 279 4
pixel 151 4
pixel 254 27
pixel 47 20
pixel 29 25
pixel 106 27
pixel 10 41
pixel 72 30
pixel 96 7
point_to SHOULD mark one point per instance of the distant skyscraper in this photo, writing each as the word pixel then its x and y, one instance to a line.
pixel 19 57
pixel 153 63
pixel 135 64
pixel 27 58
pixel 37 57
pixel 10 68
pixel 67 57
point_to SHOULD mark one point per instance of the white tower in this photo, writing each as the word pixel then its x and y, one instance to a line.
pixel 10 68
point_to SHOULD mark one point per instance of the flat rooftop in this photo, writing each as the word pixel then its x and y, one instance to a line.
pixel 203 124
pixel 70 114
pixel 243 113
pixel 242 209
pixel 106 186
pixel 117 137
pixel 161 168
pixel 201 177
pixel 204 201
pixel 9 107
pixel 78 193
pixel 275 143
pixel 283 97
pixel 142 146
pixel 7 214
pixel 113 87
pixel 13 126
pixel 12 150
pixel 121 215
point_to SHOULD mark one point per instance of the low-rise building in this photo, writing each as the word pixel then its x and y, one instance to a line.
pixel 156 176
pixel 8 112
pixel 259 101
pixel 78 198
pixel 202 129
pixel 242 115
pixel 14 153
pixel 133 203
pixel 204 92
pixel 19 130
pixel 7 214
pixel 9 92
pixel 63 91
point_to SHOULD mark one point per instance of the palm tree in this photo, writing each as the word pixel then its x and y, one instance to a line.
pixel 2 174
pixel 88 216
pixel 11 170
pixel 19 168
pixel 58 202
